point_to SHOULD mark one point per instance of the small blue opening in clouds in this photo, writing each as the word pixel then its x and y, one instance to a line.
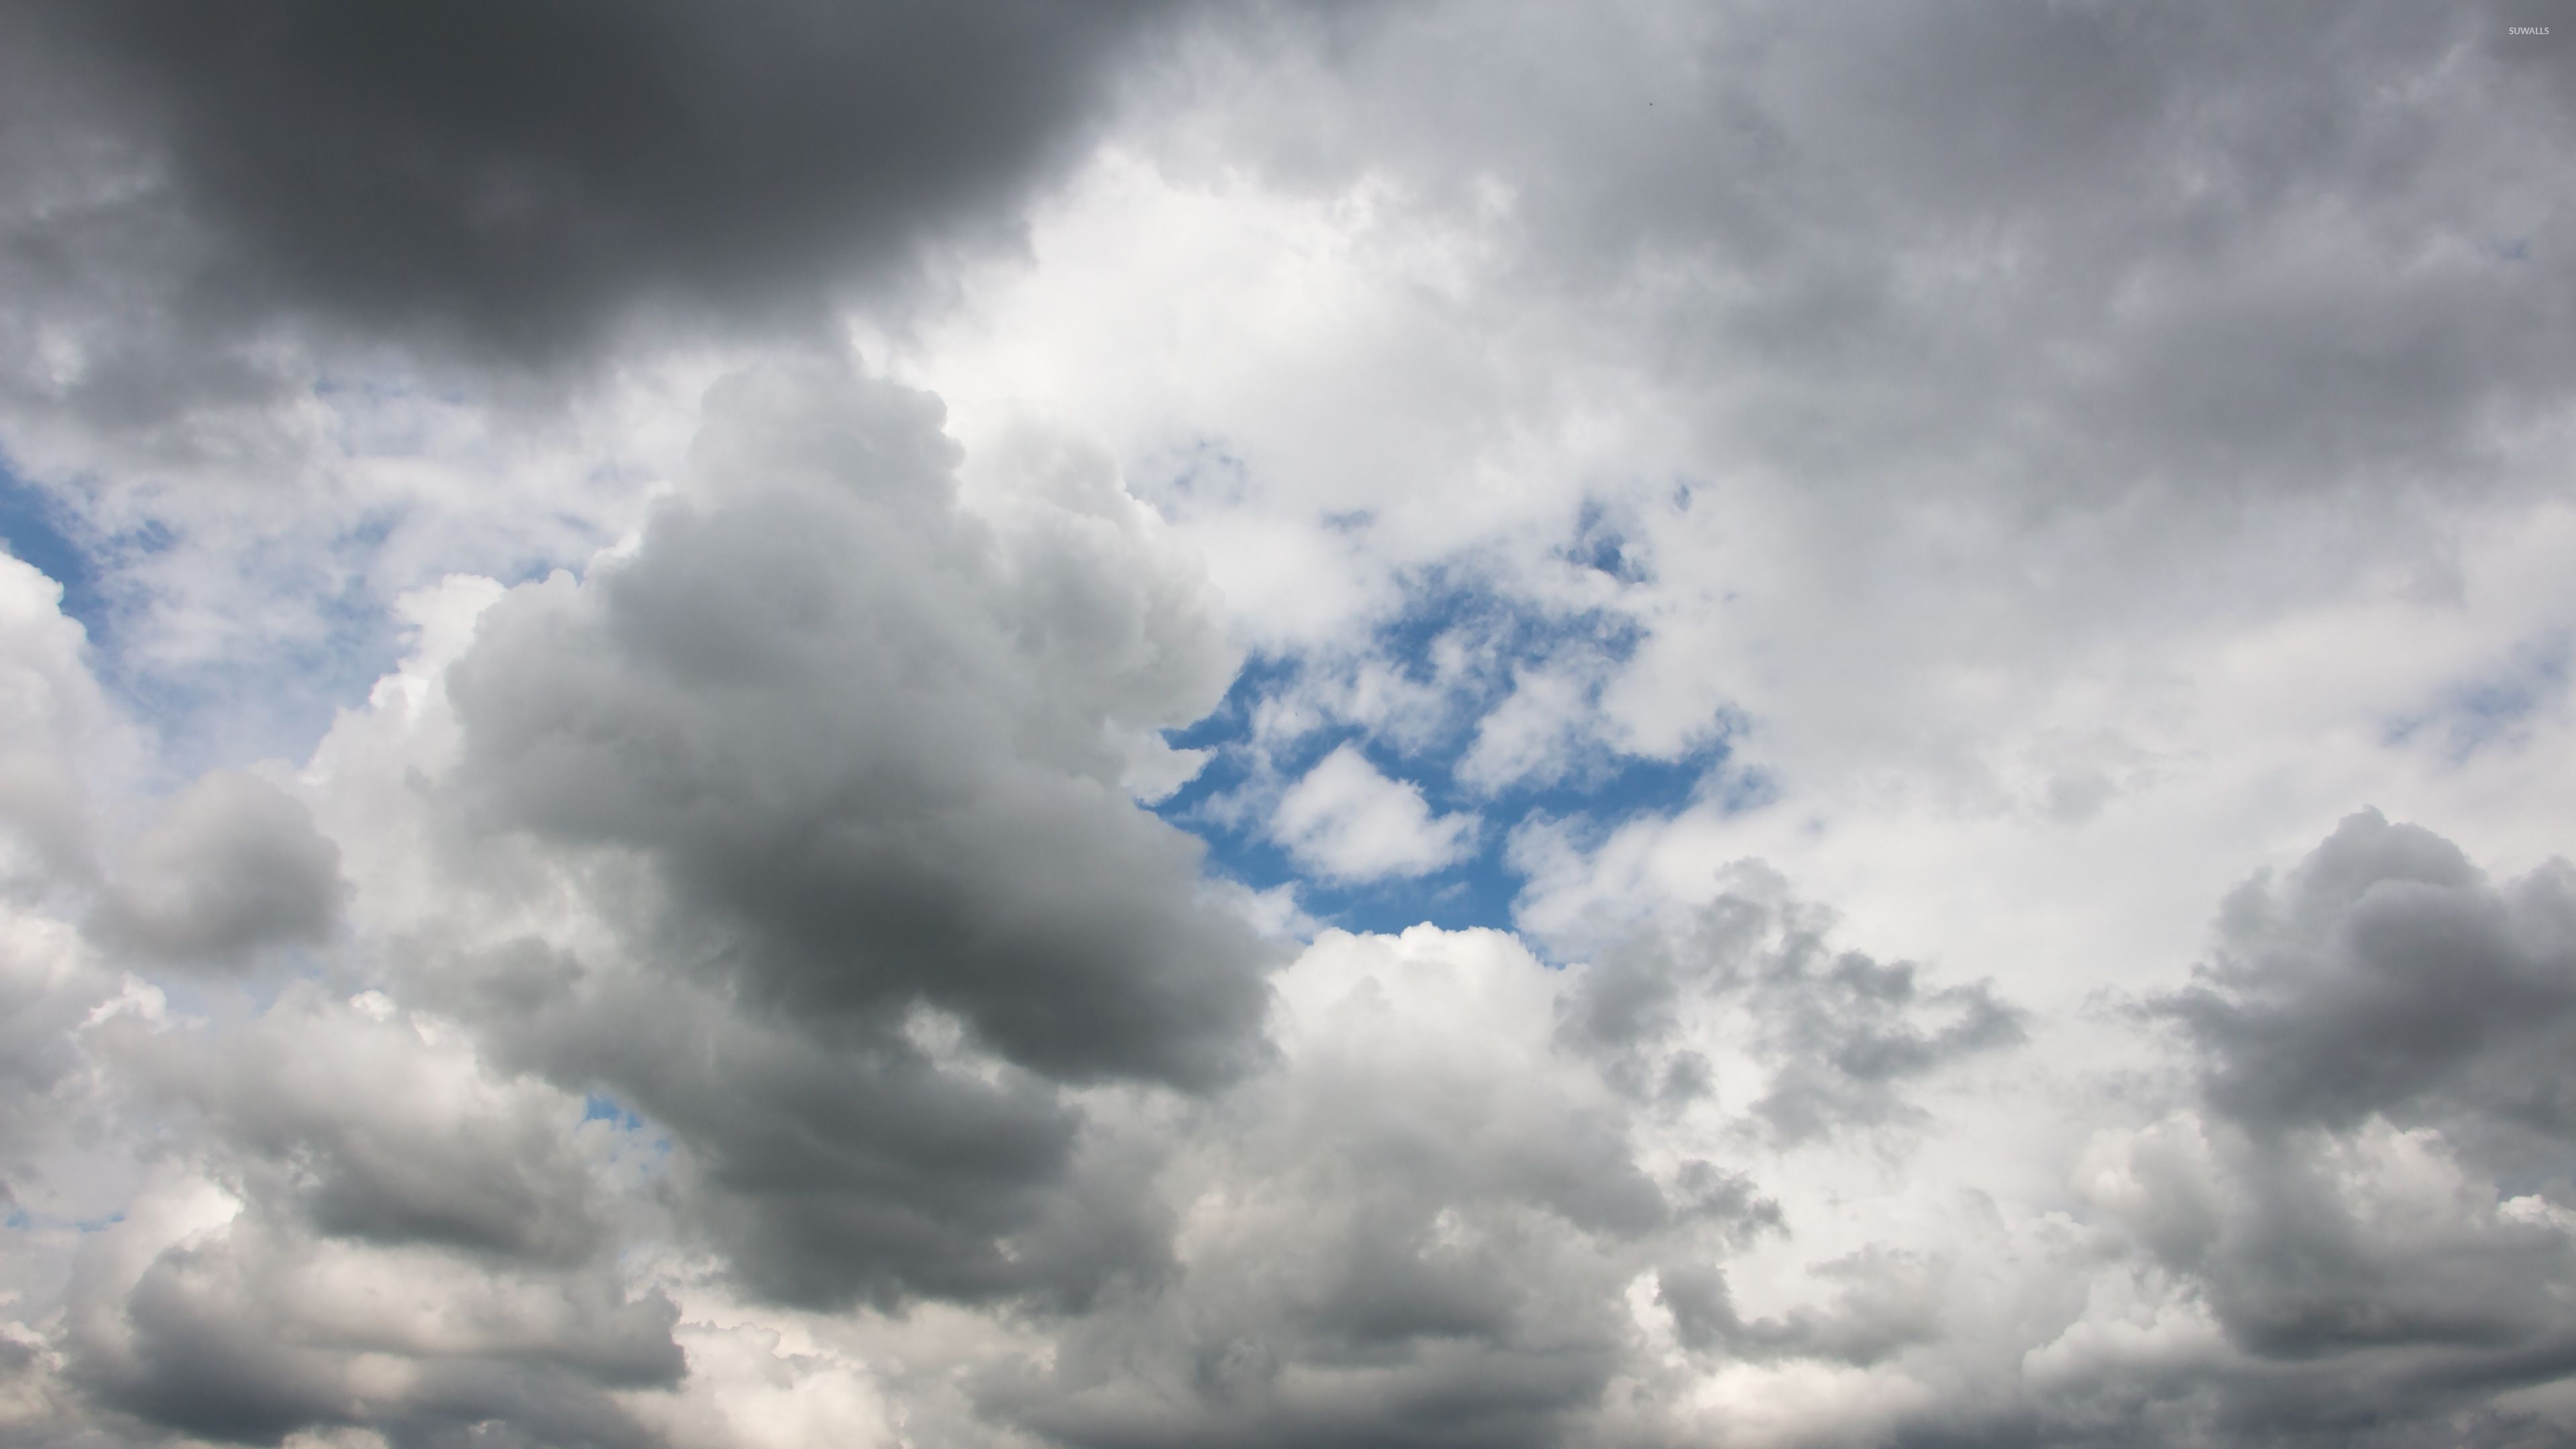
pixel 2478 712
pixel 1594 788
pixel 38 531
pixel 601 1107
pixel 1601 545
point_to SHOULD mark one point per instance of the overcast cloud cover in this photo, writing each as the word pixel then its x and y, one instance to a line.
pixel 1129 725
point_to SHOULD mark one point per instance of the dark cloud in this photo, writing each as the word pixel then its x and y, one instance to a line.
pixel 872 745
pixel 839 762
pixel 2386 984
pixel 2388 975
pixel 841 1164
pixel 2373 1206
pixel 515 178
pixel 234 866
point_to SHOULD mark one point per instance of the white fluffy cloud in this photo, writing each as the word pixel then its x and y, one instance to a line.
pixel 1345 820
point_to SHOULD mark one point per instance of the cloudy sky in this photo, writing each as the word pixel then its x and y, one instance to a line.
pixel 804 725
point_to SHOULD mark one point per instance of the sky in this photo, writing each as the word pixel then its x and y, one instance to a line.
pixel 1411 725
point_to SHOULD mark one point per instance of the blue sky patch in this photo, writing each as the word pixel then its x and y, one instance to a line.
pixel 601 1107
pixel 1487 641
pixel 2478 712
pixel 39 531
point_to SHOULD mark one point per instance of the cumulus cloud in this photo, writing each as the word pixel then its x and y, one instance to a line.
pixel 2355 1193
pixel 1441 1095
pixel 828 772
pixel 2380 1046
pixel 372 1228
pixel 57 724
pixel 59 733
pixel 1416 1229
pixel 869 743
pixel 233 866
pixel 794 931
pixel 2387 976
pixel 1347 821
pixel 1459 1195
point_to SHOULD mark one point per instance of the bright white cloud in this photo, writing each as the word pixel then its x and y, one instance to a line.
pixel 1347 821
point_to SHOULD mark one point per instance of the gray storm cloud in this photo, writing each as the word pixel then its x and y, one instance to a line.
pixel 845 759
pixel 516 179
pixel 2388 976
pixel 2388 985
pixel 878 739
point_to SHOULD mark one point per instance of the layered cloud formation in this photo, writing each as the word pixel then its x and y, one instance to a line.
pixel 1149 725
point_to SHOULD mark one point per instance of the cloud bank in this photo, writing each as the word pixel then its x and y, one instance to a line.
pixel 1137 726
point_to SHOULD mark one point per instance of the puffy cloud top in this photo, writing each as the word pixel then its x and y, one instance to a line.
pixel 871 745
